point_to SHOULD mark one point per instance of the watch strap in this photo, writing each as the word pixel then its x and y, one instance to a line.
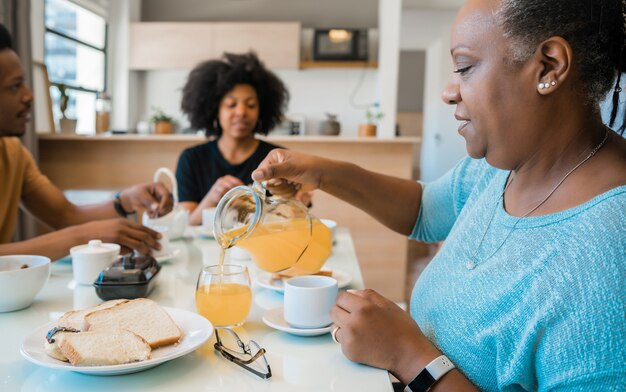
pixel 425 380
pixel 117 204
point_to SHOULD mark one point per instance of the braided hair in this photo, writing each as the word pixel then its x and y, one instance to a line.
pixel 595 29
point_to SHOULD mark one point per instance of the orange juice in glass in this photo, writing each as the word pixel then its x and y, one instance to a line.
pixel 223 294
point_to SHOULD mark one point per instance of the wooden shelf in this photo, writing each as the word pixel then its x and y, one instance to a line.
pixel 337 64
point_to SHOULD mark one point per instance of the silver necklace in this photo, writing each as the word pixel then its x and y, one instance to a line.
pixel 472 262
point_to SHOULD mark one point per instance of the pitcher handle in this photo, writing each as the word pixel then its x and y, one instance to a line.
pixel 172 177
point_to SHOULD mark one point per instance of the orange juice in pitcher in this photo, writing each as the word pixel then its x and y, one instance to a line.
pixel 280 234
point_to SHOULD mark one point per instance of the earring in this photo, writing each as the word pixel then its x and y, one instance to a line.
pixel 216 125
pixel 543 86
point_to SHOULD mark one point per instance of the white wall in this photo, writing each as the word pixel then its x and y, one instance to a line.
pixel 313 93
pixel 442 147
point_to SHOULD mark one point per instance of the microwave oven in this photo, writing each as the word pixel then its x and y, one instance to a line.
pixel 340 44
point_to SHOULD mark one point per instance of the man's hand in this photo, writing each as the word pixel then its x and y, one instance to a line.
pixel 155 198
pixel 120 231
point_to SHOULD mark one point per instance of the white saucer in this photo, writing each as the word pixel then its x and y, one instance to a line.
pixel 274 318
pixel 172 255
pixel 264 279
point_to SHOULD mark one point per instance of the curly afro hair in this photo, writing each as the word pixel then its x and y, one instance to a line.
pixel 211 80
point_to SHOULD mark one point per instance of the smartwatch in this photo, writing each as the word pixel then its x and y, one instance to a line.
pixel 430 374
pixel 117 204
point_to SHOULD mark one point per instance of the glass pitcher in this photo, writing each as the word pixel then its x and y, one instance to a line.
pixel 280 234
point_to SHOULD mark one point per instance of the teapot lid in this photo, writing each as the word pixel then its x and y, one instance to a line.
pixel 95 247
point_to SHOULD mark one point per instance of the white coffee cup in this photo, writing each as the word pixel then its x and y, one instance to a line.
pixel 308 300
pixel 164 241
pixel 208 216
pixel 90 259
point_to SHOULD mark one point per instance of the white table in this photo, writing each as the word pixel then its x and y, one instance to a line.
pixel 298 363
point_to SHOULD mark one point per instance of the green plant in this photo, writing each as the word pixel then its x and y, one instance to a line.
pixel 64 99
pixel 373 114
pixel 159 115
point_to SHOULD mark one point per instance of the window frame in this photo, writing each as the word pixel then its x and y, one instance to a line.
pixel 103 50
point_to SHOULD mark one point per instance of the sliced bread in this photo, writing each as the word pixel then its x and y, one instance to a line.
pixel 76 318
pixel 141 316
pixel 99 348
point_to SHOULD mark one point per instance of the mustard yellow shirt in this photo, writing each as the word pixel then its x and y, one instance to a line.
pixel 19 176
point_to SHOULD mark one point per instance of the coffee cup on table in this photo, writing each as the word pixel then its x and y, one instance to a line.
pixel 164 241
pixel 90 259
pixel 308 300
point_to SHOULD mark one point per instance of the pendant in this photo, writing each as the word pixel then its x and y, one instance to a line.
pixel 470 265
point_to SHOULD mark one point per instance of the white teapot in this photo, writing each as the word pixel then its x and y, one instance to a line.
pixel 176 221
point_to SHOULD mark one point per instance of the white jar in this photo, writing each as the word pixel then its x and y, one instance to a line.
pixel 90 259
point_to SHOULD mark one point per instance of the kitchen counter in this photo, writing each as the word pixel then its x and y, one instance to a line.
pixel 118 161
pixel 278 139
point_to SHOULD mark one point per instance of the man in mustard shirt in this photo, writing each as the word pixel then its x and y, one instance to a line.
pixel 22 182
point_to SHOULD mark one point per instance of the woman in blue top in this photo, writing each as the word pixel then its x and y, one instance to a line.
pixel 528 291
pixel 232 100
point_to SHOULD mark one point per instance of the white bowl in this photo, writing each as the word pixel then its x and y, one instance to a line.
pixel 18 287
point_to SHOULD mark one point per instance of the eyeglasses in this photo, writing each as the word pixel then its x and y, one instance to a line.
pixel 246 355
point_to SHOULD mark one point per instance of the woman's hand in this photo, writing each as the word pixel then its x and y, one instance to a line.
pixel 286 172
pixel 377 332
pixel 119 231
pixel 155 198
pixel 219 189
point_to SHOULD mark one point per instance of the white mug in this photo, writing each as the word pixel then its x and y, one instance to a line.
pixel 164 241
pixel 308 300
pixel 89 260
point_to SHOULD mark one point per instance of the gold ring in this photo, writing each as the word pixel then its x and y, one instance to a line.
pixel 333 333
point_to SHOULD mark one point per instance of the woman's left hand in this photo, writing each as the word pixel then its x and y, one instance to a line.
pixel 377 332
pixel 155 198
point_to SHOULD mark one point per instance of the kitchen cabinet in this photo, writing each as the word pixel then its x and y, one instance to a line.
pixel 182 45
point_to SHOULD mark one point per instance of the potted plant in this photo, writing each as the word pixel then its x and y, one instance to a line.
pixel 66 125
pixel 372 115
pixel 162 122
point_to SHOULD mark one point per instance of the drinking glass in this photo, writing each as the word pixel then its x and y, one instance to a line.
pixel 223 294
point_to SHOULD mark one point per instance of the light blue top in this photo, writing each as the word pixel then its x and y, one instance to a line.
pixel 547 310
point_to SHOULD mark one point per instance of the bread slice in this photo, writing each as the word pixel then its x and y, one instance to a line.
pixel 141 316
pixel 100 348
pixel 76 318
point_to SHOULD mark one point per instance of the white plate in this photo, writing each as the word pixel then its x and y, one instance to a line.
pixel 274 318
pixel 264 279
pixel 173 254
pixel 201 232
pixel 196 331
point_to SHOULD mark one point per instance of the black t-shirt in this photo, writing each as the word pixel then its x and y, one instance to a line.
pixel 200 166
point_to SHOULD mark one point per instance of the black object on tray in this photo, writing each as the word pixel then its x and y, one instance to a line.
pixel 131 277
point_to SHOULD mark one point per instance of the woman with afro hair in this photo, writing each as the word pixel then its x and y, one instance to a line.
pixel 231 99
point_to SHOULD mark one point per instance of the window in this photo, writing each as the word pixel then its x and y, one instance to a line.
pixel 75 54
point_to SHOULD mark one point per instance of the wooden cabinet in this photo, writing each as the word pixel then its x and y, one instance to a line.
pixel 171 45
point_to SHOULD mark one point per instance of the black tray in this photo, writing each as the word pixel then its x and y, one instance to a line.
pixel 131 277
